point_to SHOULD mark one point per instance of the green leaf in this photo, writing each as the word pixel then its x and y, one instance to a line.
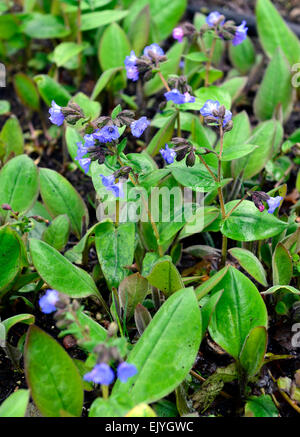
pixel 253 352
pixel 115 250
pixel 8 26
pixel 164 15
pixel 60 197
pixel 90 109
pixel 28 319
pixel 247 223
pixel 10 257
pixel 11 138
pixel 211 283
pixel 169 67
pixel 196 178
pixel 237 151
pixel 132 290
pixel 282 266
pixel 283 287
pixel 274 32
pixel 242 56
pixel 260 406
pixel 139 30
pixel 52 376
pixel 50 90
pixel 15 405
pixel 238 311
pixel 250 263
pixel 57 234
pixel 44 26
pixel 93 20
pixel 234 86
pixel 19 185
pixel 65 51
pixel 27 92
pixel 196 57
pixel 161 137
pixel 268 136
pixel 72 138
pixel 162 368
pixel 114 47
pixel 4 107
pixel 59 273
pixel 165 277
pixel 213 93
pixel 110 407
pixel 273 92
pixel 103 80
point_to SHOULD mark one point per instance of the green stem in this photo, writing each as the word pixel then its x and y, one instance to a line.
pixel 105 392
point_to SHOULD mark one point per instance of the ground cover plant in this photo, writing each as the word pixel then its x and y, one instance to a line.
pixel 149 211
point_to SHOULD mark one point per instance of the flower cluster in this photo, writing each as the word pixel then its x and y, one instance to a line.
pixel 216 114
pixel 180 92
pixel 273 203
pixel 182 149
pixel 103 374
pixel 224 29
pixel 143 66
pixel 72 113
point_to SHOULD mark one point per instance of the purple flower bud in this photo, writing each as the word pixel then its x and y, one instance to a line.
pixel 155 49
pixel 48 301
pixel 168 154
pixel 213 18
pixel 273 202
pixel 240 34
pixel 110 185
pixel 178 33
pixel 100 374
pixel 137 127
pixel 131 68
pixel 125 371
pixel 56 116
pixel 177 97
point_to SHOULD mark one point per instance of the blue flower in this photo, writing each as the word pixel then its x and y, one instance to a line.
pixel 100 374
pixel 168 154
pixel 81 151
pixel 110 185
pixel 177 97
pixel 227 117
pixel 48 301
pixel 178 34
pixel 56 116
pixel 155 49
pixel 240 34
pixel 137 127
pixel 208 108
pixel 273 202
pixel 89 140
pixel 213 18
pixel 85 164
pixel 125 371
pixel 131 68
pixel 107 134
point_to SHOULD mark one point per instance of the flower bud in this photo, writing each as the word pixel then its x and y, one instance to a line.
pixel 190 159
pixel 112 329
